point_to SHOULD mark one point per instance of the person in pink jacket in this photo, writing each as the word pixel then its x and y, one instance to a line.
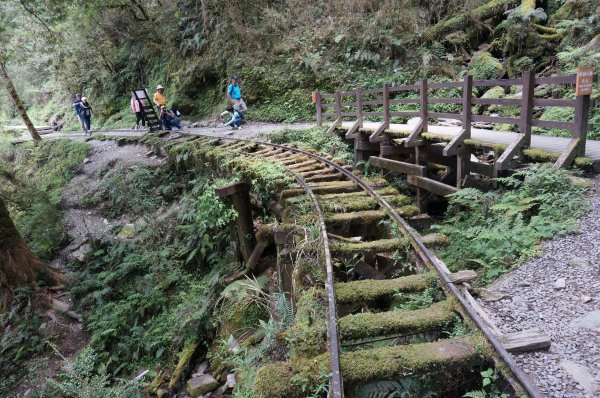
pixel 137 107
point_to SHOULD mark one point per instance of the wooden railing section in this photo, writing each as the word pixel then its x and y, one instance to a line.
pixel 361 103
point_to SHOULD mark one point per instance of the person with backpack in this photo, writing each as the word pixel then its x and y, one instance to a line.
pixel 137 106
pixel 234 95
pixel 86 115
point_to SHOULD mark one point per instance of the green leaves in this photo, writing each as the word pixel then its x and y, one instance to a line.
pixel 494 231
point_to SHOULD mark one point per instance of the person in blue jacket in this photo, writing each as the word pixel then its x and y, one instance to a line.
pixel 234 95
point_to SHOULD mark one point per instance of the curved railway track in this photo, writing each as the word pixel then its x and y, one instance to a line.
pixel 347 206
pixel 324 180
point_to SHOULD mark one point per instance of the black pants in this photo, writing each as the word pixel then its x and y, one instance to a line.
pixel 140 116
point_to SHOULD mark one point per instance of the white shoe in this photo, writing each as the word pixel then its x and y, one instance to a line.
pixel 239 128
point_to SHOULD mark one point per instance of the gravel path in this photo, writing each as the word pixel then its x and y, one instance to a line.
pixel 568 312
pixel 83 222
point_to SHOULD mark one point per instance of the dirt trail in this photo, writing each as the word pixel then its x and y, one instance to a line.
pixel 83 223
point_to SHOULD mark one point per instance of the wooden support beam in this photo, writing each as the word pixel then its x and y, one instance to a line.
pixel 353 131
pixel 431 185
pixel 239 192
pixel 376 135
pixel 333 126
pixel 505 161
pixel 456 144
pixel 568 156
pixel 317 100
pixel 395 165
pixel 462 276
pixel 527 106
pixel 413 138
pixel 526 340
pixel 359 110
pixel 580 127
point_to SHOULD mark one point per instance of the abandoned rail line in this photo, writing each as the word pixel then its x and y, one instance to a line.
pixel 390 258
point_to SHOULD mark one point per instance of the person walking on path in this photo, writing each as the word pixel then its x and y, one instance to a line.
pixel 160 99
pixel 234 95
pixel 77 108
pixel 137 107
pixel 86 115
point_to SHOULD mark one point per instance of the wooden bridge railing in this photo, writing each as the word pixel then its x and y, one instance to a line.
pixel 381 103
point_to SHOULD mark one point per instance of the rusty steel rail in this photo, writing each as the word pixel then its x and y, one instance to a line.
pixel 425 255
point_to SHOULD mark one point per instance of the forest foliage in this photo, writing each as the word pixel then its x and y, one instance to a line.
pixel 282 50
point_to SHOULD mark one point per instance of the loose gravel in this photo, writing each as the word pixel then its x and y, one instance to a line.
pixel 551 293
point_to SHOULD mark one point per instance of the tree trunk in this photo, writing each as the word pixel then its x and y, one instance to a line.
pixel 15 97
pixel 18 266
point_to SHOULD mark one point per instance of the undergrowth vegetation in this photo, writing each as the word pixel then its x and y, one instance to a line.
pixel 497 230
pixel 314 139
pixel 32 180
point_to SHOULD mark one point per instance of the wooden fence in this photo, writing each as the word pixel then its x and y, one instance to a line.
pixel 380 103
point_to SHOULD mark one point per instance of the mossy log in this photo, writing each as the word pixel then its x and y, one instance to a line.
pixel 446 358
pixel 183 364
pixel 434 318
pixel 462 21
pixel 435 240
pixel 371 291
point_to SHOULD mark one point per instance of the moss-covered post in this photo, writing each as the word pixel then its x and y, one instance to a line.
pixel 239 193
pixel 284 240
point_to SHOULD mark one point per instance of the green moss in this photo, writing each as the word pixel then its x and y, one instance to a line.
pixel 539 155
pixel 184 360
pixel 331 187
pixel 309 331
pixel 484 66
pixel 435 240
pixel 408 211
pixel 445 358
pixel 361 248
pixel 370 291
pixel 363 325
pixel 584 162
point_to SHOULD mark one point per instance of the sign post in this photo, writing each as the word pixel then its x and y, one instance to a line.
pixel 584 81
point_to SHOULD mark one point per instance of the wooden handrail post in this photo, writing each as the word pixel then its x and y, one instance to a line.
pixel 317 97
pixel 527 106
pixel 386 105
pixel 338 106
pixel 359 110
pixel 467 105
pixel 580 123
pixel 424 105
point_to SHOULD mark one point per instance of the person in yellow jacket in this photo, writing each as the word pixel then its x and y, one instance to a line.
pixel 160 99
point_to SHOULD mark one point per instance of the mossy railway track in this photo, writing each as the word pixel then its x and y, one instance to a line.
pixel 369 338
pixel 359 317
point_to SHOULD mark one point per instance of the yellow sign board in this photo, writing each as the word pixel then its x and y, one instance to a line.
pixel 585 80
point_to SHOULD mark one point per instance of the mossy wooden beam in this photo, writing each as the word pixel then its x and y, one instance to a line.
pixel 331 187
pixel 461 22
pixel 362 248
pixel 359 326
pixel 445 358
pixel 370 291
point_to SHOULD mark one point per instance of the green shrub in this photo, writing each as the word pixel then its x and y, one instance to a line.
pixel 495 231
pixel 484 66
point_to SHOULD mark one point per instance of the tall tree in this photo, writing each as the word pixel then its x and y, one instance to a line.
pixel 18 266
pixel 12 91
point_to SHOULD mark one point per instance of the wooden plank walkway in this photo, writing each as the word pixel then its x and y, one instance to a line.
pixel 490 137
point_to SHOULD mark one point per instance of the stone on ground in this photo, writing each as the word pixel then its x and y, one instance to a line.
pixel 581 374
pixel 590 321
pixel 198 385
